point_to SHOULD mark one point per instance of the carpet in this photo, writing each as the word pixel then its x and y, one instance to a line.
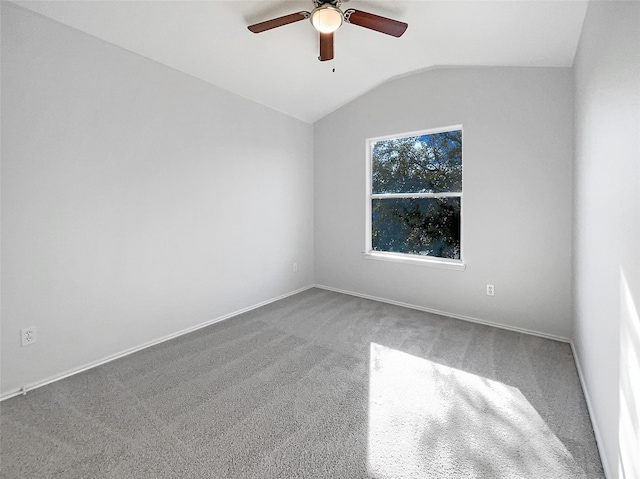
pixel 317 385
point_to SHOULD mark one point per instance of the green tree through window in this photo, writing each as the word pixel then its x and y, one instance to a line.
pixel 416 194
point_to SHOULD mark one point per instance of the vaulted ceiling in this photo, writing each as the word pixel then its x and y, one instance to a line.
pixel 280 68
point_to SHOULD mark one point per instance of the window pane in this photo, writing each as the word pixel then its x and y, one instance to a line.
pixel 423 226
pixel 418 164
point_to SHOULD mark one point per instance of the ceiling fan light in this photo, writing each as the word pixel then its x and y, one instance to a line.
pixel 326 19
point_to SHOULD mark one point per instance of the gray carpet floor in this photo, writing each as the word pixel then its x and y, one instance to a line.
pixel 317 385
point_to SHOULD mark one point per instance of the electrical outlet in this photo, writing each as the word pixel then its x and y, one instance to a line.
pixel 28 336
pixel 490 290
pixel 295 267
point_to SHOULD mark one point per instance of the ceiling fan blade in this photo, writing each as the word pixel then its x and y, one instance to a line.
pixel 326 47
pixel 278 22
pixel 375 22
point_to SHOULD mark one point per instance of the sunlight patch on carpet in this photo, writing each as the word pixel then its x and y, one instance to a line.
pixel 427 420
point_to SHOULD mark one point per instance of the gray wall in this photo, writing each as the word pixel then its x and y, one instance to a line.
pixel 136 201
pixel 517 174
pixel 607 227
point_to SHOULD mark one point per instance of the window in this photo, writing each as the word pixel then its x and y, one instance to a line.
pixel 414 199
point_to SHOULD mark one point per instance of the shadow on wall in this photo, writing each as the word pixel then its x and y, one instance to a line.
pixel 429 420
pixel 629 419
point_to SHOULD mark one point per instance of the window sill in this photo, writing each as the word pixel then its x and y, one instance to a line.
pixel 417 260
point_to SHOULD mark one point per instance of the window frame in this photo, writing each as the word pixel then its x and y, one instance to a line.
pixel 433 261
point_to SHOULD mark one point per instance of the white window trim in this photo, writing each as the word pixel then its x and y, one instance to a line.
pixel 431 261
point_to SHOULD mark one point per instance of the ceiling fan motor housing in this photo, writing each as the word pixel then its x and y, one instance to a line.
pixel 333 3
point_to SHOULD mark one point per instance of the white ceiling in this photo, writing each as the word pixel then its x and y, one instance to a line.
pixel 279 68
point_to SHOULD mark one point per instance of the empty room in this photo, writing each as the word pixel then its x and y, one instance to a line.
pixel 320 239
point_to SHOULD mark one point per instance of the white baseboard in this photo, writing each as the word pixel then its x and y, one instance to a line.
pixel 594 424
pixel 450 315
pixel 121 354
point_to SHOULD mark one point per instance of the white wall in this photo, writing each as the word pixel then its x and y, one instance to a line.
pixel 607 227
pixel 517 174
pixel 136 201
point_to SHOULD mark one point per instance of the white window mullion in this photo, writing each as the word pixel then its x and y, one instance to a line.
pixel 447 194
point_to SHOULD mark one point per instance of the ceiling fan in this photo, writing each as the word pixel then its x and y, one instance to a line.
pixel 327 17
